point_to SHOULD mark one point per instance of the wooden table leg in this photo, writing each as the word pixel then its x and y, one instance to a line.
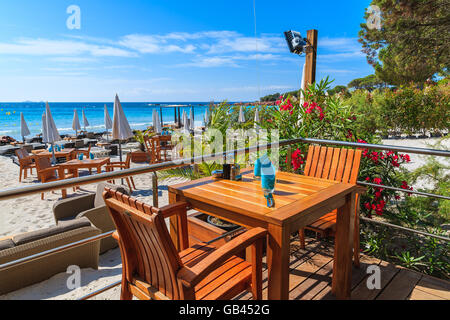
pixel 342 264
pixel 278 246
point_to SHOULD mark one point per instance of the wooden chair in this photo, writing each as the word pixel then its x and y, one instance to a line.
pixel 153 147
pixel 122 165
pixel 165 143
pixel 25 163
pixel 338 165
pixel 153 269
pixel 47 173
pixel 86 153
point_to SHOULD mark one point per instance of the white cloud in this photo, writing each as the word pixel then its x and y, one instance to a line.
pixel 152 44
pixel 209 62
pixel 333 57
pixel 247 44
pixel 47 47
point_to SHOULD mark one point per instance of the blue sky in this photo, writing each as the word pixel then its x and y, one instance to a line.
pixel 162 50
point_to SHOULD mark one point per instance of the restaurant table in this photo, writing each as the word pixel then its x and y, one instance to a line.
pixel 76 164
pixel 299 201
pixel 67 153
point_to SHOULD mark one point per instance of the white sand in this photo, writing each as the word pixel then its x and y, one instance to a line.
pixel 31 213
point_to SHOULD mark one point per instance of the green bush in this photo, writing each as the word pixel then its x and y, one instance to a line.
pixel 407 109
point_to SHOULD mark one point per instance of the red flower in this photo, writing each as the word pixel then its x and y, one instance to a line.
pixel 367 205
pixel 405 157
pixel 377 181
pixel 349 134
pixel 378 194
pixel 297 159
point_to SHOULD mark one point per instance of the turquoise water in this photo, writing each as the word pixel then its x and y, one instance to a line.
pixel 139 115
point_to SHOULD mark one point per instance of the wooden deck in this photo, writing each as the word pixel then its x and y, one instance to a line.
pixel 311 271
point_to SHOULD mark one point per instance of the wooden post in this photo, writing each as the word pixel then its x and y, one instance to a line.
pixel 155 190
pixel 311 57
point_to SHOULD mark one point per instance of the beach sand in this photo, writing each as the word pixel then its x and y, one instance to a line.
pixel 31 213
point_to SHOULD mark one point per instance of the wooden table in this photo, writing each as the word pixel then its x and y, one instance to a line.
pixel 74 165
pixel 64 153
pixel 299 201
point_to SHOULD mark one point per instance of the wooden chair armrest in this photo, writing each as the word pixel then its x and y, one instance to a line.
pixel 115 165
pixel 361 189
pixel 172 209
pixel 49 169
pixel 190 277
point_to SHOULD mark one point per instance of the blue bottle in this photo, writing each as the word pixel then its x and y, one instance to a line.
pixel 268 178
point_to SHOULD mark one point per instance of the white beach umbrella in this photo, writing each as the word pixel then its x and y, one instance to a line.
pixel 52 131
pixel 185 122
pixel 191 116
pixel 121 128
pixel 205 119
pixel 85 121
pixel 76 122
pixel 108 122
pixel 44 128
pixel 24 131
pixel 257 119
pixel 241 115
pixel 156 122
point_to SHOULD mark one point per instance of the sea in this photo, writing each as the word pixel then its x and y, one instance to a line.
pixel 139 115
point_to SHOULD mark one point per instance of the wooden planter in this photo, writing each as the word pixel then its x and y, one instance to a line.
pixel 140 156
pixel 202 231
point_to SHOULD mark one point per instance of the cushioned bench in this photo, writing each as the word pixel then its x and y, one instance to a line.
pixel 40 269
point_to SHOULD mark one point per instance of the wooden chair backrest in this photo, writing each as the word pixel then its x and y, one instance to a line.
pixel 128 160
pixel 333 164
pixel 44 163
pixel 152 145
pixel 22 155
pixel 148 253
pixel 157 148
pixel 148 143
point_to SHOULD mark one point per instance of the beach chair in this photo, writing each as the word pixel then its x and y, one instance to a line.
pixel 165 144
pixel 153 269
pixel 25 163
pixel 122 165
pixel 47 173
pixel 338 165
pixel 154 148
